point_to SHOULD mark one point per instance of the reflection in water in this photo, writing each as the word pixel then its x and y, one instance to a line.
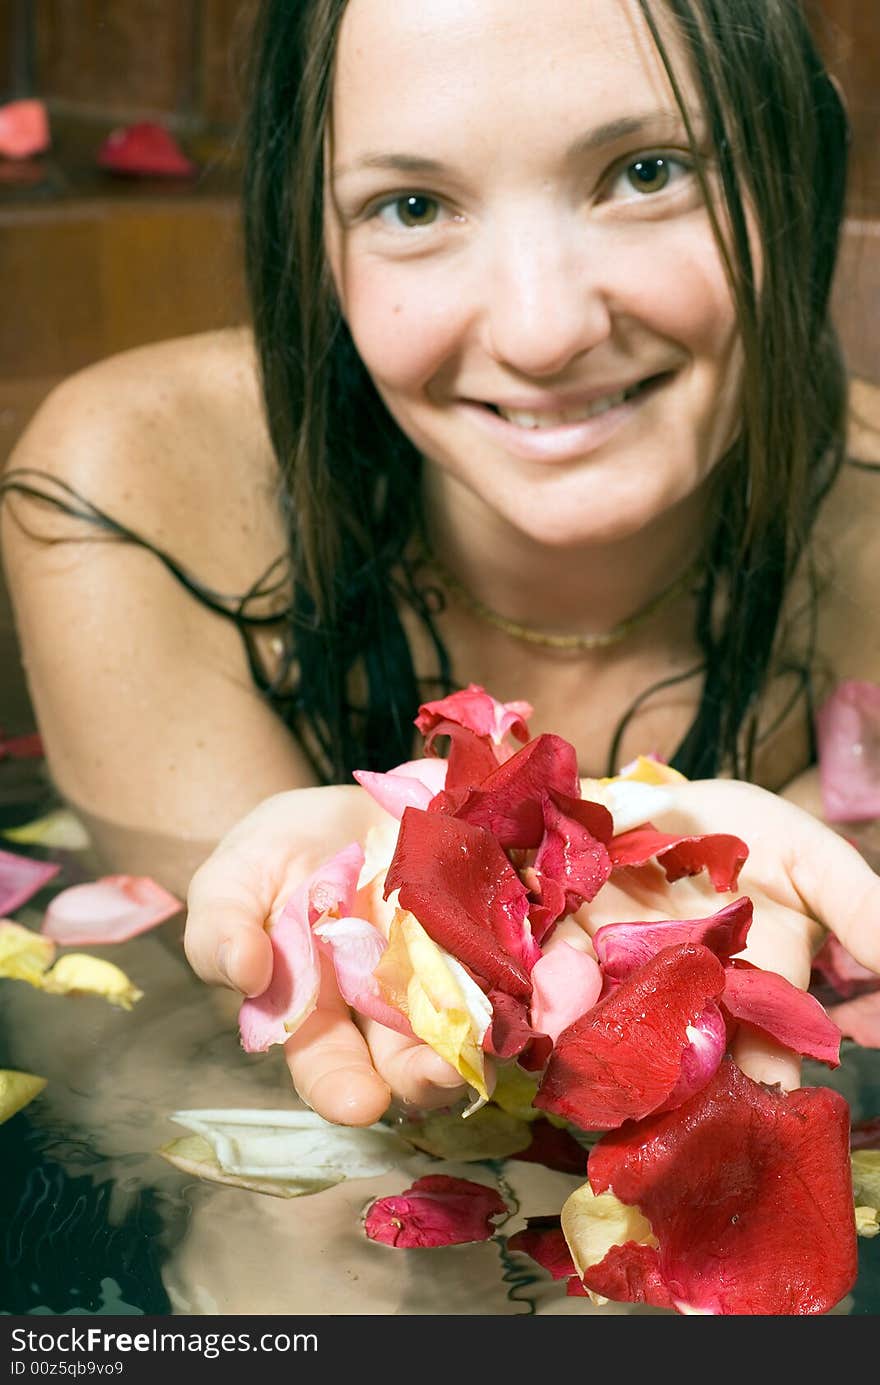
pixel 94 1221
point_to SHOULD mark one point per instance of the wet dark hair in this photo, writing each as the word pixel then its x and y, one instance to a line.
pixel 352 479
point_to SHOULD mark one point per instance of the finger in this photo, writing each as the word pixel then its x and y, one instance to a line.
pixel 838 887
pixel 765 1061
pixel 225 943
pixel 331 1064
pixel 415 1073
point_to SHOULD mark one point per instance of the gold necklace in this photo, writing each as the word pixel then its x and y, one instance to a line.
pixel 551 641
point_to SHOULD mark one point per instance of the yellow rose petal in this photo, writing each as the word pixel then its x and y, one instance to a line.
pixel 867 1222
pixel 445 1008
pixel 866 1177
pixel 644 770
pixel 16 1090
pixel 24 955
pixel 592 1225
pixel 77 973
pixel 59 829
pixel 488 1134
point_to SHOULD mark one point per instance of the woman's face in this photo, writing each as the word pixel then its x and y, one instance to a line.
pixel 523 257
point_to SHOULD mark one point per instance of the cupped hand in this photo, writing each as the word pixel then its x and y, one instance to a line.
pixel 346 1070
pixel 802 878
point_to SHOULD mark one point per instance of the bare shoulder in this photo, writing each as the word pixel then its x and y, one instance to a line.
pixel 169 439
pixel 848 549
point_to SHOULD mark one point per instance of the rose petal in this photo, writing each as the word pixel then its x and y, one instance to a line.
pixel 292 993
pixel 435 1211
pixel 109 910
pixel 840 970
pixel 722 855
pixel 565 984
pixel 790 1016
pixel 24 955
pixel 622 947
pixel 700 1060
pixel 623 1058
pixel 78 974
pixel 859 1019
pixel 410 785
pixel 144 148
pixel 21 877
pixel 355 947
pixel 865 1134
pixel 17 1089
pixel 489 1133
pixel 59 829
pixel 748 1192
pixel 573 850
pixel 473 708
pixel 461 887
pixel 444 1006
pixel 24 129
pixel 848 743
pixel 612 1243
pixel 297 1145
pixel 553 1147
pixel 193 1155
pixel 510 802
pixel 27 747
pixel 544 1241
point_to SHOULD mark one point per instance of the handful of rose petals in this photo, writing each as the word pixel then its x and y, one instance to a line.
pixel 709 1193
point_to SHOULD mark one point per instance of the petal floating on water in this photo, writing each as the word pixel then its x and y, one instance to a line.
pixel 16 1090
pixel 110 910
pixel 294 1145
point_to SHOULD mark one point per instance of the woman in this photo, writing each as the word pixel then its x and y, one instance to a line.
pixel 551 404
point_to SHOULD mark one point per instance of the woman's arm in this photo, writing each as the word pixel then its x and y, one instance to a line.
pixel 153 728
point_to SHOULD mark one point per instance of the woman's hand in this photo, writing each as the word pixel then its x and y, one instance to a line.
pixel 802 879
pixel 347 1071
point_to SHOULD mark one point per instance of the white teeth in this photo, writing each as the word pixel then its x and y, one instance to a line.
pixel 523 419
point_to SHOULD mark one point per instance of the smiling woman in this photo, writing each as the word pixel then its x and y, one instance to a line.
pixel 542 393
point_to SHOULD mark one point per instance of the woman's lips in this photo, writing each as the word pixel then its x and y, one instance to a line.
pixel 561 442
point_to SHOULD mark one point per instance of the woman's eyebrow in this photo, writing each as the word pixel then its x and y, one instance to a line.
pixel 661 124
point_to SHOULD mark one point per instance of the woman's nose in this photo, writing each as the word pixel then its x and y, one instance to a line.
pixel 543 301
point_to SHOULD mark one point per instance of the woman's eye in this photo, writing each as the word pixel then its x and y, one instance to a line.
pixel 409 211
pixel 649 174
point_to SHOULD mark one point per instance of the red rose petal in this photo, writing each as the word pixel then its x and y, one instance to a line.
pixel 465 893
pixel 623 1058
pixel 471 759
pixel 629 1274
pixel 29 747
pixel 789 1015
pixel 622 947
pixel 748 1192
pixel 435 1211
pixel 573 850
pixel 718 852
pixel 510 1030
pixel 509 802
pixel 144 148
pixel 555 1148
pixel 542 1239
pixel 864 1134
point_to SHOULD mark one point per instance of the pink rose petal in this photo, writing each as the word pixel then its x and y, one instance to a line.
pixel 110 910
pixel 859 1019
pixel 410 785
pixel 24 129
pixel 701 1058
pixel 436 1211
pixel 840 970
pixel 292 993
pixel 722 855
pixel 848 739
pixel 623 947
pixel 790 1016
pixel 565 984
pixel 21 877
pixel 355 947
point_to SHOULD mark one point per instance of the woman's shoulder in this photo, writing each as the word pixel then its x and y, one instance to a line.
pixel 848 548
pixel 168 439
